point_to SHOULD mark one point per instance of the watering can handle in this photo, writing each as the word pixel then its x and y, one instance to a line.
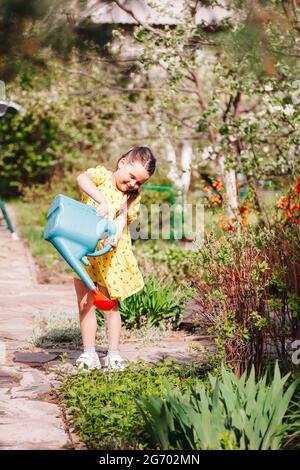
pixel 111 228
pixel 100 252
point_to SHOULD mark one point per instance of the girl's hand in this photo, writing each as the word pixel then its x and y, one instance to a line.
pixel 111 241
pixel 120 224
pixel 102 209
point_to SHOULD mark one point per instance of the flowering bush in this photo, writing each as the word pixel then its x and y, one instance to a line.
pixel 250 294
pixel 217 199
pixel 288 206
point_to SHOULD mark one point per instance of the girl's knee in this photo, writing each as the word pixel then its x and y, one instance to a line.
pixel 85 305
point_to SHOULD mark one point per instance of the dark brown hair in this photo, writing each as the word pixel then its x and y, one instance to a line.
pixel 144 155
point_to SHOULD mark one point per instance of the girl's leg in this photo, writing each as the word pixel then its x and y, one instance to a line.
pixel 88 320
pixel 112 319
pixel 87 314
pixel 113 325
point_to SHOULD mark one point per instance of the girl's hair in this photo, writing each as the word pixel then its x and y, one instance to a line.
pixel 144 155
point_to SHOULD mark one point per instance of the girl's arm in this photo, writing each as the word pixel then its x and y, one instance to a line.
pixel 126 216
pixel 87 185
pixel 121 222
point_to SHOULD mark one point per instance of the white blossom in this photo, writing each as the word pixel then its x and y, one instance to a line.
pixel 289 110
pixel 275 109
pixel 207 152
pixel 268 87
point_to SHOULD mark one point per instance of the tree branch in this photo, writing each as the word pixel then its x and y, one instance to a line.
pixel 174 116
pixel 136 19
pixel 203 103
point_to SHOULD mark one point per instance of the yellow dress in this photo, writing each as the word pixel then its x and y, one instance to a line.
pixel 117 270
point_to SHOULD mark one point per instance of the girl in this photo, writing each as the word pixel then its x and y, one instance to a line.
pixel 115 194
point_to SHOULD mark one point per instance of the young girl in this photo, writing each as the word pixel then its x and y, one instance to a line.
pixel 116 196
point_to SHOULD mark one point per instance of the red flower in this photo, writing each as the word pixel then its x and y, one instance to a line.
pixel 288 214
pixel 244 209
pixel 297 187
pixel 218 184
pixel 216 199
pixel 282 202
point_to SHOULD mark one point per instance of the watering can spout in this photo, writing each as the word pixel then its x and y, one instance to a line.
pixel 67 248
pixel 75 229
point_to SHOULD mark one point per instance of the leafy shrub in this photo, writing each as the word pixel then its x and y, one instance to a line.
pixel 236 413
pixel 288 206
pixel 292 438
pixel 29 150
pixel 158 302
pixel 250 294
pixel 101 406
pixel 179 264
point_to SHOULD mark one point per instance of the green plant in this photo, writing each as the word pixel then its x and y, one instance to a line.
pixel 248 294
pixel 175 262
pixel 158 302
pixel 29 150
pixel 292 422
pixel 235 413
pixel 101 406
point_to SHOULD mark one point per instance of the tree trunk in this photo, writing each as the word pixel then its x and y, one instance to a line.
pixel 186 160
pixel 171 159
pixel 231 189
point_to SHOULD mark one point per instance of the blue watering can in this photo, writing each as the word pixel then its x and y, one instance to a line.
pixel 75 229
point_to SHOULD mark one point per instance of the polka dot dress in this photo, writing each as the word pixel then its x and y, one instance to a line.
pixel 117 270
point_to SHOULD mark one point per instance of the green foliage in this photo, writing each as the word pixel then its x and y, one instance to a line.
pixel 292 438
pixel 294 304
pixel 174 261
pixel 235 413
pixel 29 150
pixel 101 406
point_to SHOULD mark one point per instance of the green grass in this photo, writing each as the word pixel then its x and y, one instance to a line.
pixel 102 408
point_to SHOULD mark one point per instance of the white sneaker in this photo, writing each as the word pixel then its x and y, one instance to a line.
pixel 88 361
pixel 115 362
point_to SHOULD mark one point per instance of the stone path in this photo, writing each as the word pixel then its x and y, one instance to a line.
pixel 26 422
pixel 28 418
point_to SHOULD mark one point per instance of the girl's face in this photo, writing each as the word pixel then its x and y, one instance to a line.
pixel 130 176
